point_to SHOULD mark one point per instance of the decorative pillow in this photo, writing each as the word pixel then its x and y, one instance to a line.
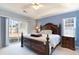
pixel 36 35
pixel 46 32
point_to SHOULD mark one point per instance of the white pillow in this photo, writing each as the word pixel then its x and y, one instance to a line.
pixel 46 32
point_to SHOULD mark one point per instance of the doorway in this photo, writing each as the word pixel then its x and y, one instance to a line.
pixel 14 32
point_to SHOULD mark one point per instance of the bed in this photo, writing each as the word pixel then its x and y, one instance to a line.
pixel 44 44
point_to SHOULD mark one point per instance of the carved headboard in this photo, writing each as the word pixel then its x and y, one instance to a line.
pixel 49 26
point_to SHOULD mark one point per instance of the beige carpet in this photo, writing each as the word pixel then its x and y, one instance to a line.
pixel 64 51
pixel 15 49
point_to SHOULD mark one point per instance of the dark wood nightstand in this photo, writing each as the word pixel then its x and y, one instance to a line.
pixel 68 42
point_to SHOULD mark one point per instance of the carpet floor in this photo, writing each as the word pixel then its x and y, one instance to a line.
pixel 16 49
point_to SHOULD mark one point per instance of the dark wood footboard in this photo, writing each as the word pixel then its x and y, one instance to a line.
pixel 37 46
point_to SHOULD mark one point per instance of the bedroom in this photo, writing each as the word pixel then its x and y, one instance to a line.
pixel 57 18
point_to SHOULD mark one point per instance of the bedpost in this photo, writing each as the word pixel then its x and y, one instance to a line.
pixel 59 31
pixel 47 45
pixel 21 39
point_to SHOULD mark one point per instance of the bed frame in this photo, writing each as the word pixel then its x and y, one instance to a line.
pixel 38 46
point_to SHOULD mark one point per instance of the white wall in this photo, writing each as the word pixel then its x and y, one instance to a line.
pixel 23 27
pixel 27 27
pixel 31 26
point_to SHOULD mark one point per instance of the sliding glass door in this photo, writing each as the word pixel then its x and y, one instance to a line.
pixel 14 30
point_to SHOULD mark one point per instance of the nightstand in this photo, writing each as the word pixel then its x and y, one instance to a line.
pixel 68 42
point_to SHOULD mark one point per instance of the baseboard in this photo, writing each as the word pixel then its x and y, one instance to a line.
pixel 77 47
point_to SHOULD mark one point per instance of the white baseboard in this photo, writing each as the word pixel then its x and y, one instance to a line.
pixel 77 47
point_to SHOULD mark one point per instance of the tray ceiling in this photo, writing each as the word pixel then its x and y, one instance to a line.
pixel 47 9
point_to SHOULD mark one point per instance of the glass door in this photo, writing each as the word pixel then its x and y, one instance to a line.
pixel 14 31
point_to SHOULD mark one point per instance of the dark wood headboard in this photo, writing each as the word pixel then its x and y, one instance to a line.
pixel 49 26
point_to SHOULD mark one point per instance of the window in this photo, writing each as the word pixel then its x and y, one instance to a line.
pixel 69 26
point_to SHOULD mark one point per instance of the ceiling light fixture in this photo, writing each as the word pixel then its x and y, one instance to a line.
pixel 36 6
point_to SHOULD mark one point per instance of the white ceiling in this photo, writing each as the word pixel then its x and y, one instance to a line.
pixel 47 9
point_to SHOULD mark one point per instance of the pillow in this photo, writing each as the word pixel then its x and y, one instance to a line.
pixel 36 35
pixel 46 32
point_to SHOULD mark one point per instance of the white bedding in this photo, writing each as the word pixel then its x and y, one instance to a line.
pixel 54 39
